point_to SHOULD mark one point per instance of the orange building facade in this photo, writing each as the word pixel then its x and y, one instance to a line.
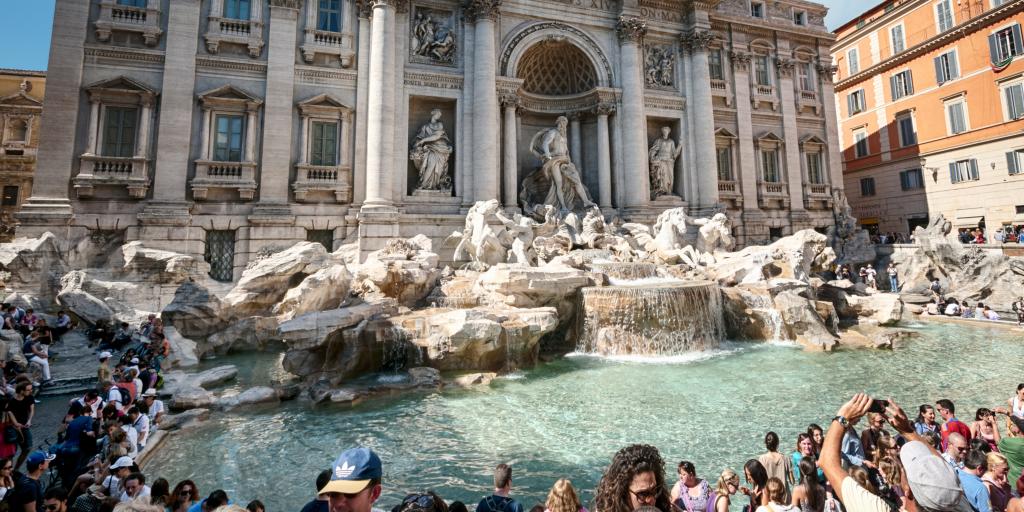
pixel 930 101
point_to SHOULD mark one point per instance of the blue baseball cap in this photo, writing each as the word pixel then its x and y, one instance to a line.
pixel 36 458
pixel 353 470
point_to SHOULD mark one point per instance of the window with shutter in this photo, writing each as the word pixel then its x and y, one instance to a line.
pixel 911 179
pixel 861 145
pixel 1014 161
pixel 725 164
pixel 898 44
pixel 325 144
pixel 908 135
pixel 957 119
pixel 867 186
pixel 1014 96
pixel 852 62
pixel 974 169
pixel 119 132
pixel 236 9
pixel 944 15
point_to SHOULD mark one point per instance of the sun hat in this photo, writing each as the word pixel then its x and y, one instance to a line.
pixel 135 360
pixel 150 392
pixel 105 355
pixel 353 471
pixel 934 482
pixel 123 462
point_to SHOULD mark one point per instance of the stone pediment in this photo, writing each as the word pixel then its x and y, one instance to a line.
pixel 20 99
pixel 229 92
pixel 769 137
pixel 323 103
pixel 812 139
pixel 121 84
pixel 724 133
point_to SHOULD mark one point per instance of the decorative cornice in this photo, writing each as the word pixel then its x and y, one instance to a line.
pixel 975 24
pixel 325 76
pixel 478 10
pixel 698 40
pixel 135 56
pixel 631 29
pixel 438 80
pixel 219 64
pixel 826 71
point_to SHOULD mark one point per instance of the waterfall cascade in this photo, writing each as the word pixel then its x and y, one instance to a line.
pixel 651 319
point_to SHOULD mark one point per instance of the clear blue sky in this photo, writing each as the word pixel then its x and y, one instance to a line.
pixel 25 29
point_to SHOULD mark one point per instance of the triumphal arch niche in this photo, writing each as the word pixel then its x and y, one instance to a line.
pixel 365 120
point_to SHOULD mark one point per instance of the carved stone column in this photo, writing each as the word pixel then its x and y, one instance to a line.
pixel 142 148
pixel 828 97
pixel 696 43
pixel 631 31
pixel 362 102
pixel 276 158
pixel 484 15
pixel 204 151
pixel 576 138
pixel 250 131
pixel 604 155
pixel 94 125
pixel 753 226
pixel 380 106
pixel 510 161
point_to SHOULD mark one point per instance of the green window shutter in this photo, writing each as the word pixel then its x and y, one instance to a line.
pixel 318 144
pixel 993 49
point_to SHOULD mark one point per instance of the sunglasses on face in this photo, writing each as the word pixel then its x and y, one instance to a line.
pixel 646 494
pixel 420 500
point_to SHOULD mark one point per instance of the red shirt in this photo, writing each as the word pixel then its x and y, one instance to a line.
pixel 955 425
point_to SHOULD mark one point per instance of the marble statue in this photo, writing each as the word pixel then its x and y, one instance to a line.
pixel 430 155
pixel 659 65
pixel 670 230
pixel 521 229
pixel 662 156
pixel 557 181
pixel 715 234
pixel 479 241
pixel 432 39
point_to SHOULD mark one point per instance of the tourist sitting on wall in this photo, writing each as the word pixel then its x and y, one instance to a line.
pixel 989 314
pixel 28 322
pixel 979 311
pixel 966 311
pixel 64 324
pixel 952 308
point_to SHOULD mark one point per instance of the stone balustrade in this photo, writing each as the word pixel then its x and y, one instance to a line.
pixel 339 44
pixel 722 89
pixel 248 33
pixel 817 195
pixel 240 176
pixel 773 193
pixel 312 179
pixel 129 172
pixel 809 100
pixel 764 94
pixel 730 191
pixel 127 18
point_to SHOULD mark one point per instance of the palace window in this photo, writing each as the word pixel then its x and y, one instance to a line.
pixel 956 116
pixel 861 144
pixel 228 142
pixel 946 67
pixel 896 37
pixel 220 254
pixel 323 172
pixel 715 65
pixel 907 132
pixel 944 15
pixel 762 68
pixel 855 102
pixel 119 131
pixel 324 149
pixel 132 3
pixel 17 131
pixel 852 62
pixel 901 84
pixel 1013 100
pixel 724 163
pixel 10 197
pixel 236 9
pixel 806 78
pixel 757 9
pixel 329 16
pixel 800 18
pixel 770 166
pixel 814 174
pixel 911 179
pixel 1015 161
pixel 867 187
pixel 1005 44
pixel 963 170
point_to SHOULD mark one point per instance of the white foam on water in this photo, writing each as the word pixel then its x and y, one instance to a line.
pixel 644 281
pixel 513 376
pixel 392 378
pixel 689 358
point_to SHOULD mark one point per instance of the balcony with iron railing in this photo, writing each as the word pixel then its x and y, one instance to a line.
pixel 313 180
pixel 722 89
pixel 339 44
pixel 764 94
pixel 240 176
pixel 109 171
pixel 248 33
pixel 772 193
pixel 128 18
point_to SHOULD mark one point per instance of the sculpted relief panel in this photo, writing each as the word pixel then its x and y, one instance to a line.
pixel 659 66
pixel 432 36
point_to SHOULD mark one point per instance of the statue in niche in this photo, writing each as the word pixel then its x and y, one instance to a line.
pixel 662 156
pixel 659 65
pixel 557 181
pixel 431 38
pixel 430 155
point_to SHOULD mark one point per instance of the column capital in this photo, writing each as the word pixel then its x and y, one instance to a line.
pixel 510 100
pixel 479 10
pixel 697 40
pixel 397 5
pixel 826 71
pixel 631 29
pixel 363 9
pixel 604 109
pixel 575 115
pixel 785 66
pixel 740 59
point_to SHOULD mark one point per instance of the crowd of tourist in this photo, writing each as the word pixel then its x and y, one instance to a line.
pixel 935 463
pixel 869 276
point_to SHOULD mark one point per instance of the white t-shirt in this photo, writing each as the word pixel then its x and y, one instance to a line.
pixel 144 493
pixel 115 396
pixel 952 309
pixel 133 440
pixel 141 425
pixel 112 485
pixel 777 507
pixel 156 408
pixel 857 499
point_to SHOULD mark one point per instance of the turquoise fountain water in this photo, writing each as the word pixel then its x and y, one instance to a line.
pixel 567 418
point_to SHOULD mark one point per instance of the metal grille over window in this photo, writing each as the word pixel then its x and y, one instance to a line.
pixel 220 254
pixel 324 237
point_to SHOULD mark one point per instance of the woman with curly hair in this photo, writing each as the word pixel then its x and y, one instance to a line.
pixel 562 498
pixel 634 479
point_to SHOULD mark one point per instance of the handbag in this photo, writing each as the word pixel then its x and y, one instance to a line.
pixel 11 434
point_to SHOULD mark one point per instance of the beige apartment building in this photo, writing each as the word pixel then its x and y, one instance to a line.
pixel 930 98
pixel 21 104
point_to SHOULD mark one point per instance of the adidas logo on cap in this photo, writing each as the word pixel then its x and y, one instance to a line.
pixel 344 470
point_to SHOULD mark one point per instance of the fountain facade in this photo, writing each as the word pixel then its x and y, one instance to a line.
pixel 651 319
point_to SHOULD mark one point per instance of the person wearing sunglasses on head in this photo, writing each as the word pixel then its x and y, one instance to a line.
pixel 421 502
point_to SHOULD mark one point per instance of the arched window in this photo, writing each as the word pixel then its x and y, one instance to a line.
pixel 556 68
